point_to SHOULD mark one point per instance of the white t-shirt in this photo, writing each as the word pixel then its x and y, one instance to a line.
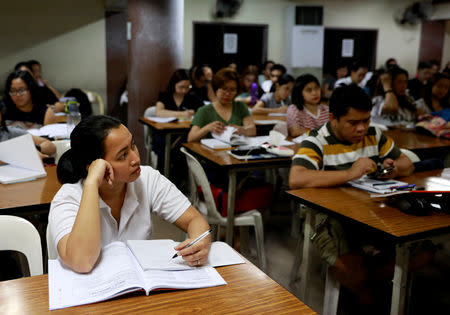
pixel 348 81
pixel 150 193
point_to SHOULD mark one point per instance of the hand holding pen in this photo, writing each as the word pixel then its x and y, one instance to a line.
pixel 194 255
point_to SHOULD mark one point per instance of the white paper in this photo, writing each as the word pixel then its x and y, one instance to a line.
pixel 259 140
pixel 347 47
pixel 230 43
pixel 300 138
pixel 267 122
pixel 228 136
pixel 215 144
pixel 23 160
pixel 157 254
pixel 58 131
pixel 277 114
pixel 162 119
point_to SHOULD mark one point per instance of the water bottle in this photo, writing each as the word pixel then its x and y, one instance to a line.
pixel 253 94
pixel 73 116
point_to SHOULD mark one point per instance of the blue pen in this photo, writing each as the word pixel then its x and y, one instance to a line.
pixel 403 187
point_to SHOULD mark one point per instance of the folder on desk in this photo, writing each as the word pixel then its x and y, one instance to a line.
pixel 21 161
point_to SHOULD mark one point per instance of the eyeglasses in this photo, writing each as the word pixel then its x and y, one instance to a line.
pixel 228 91
pixel 18 92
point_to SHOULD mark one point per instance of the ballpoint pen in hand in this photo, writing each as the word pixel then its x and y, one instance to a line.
pixel 202 236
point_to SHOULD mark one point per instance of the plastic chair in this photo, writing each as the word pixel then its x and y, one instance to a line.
pixel 152 158
pixel 61 147
pixel 18 234
pixel 208 207
pixel 52 252
pixel 96 101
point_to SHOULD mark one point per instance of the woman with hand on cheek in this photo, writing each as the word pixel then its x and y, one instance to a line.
pixel 108 196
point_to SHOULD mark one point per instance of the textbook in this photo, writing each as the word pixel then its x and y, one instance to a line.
pixel 228 136
pixel 119 272
pixel 379 186
pixel 20 160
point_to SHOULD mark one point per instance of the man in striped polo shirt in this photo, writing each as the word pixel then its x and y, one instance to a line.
pixel 342 150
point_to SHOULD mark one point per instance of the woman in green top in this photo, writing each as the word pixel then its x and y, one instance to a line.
pixel 223 111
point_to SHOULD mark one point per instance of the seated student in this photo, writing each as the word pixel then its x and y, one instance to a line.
pixel 306 112
pixel 396 107
pixel 345 149
pixel 107 196
pixel 177 101
pixel 248 77
pixel 278 100
pixel 391 62
pixel 418 85
pixel 437 94
pixel 275 72
pixel 36 69
pixel 435 65
pixel 357 75
pixel 213 118
pixel 200 77
pixel 22 100
pixel 45 94
pixel 330 81
pixel 44 147
pixel 265 72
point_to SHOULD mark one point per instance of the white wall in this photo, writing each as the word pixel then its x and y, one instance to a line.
pixel 446 50
pixel 67 37
pixel 401 42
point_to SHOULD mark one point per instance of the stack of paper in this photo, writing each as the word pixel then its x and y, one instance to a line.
pixel 21 161
pixel 376 185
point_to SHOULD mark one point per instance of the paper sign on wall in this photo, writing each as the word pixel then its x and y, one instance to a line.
pixel 230 43
pixel 347 47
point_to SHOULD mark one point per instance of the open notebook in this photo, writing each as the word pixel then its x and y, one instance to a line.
pixel 146 267
pixel 20 160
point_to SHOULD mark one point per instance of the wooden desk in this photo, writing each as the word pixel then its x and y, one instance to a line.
pixel 411 140
pixel 351 203
pixel 29 196
pixel 233 166
pixel 249 291
pixel 166 129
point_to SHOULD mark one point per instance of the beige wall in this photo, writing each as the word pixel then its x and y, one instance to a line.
pixel 401 42
pixel 67 37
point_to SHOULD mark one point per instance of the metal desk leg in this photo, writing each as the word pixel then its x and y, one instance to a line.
pixel 231 202
pixel 167 155
pixel 400 279
pixel 306 257
pixel 149 141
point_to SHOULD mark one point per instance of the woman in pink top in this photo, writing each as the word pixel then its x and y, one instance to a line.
pixel 306 112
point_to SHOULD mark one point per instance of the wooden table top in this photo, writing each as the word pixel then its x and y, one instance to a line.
pixel 411 140
pixel 248 291
pixel 30 194
pixel 356 204
pixel 223 158
pixel 176 125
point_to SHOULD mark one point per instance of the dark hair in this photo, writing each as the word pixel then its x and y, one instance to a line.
pixel 86 145
pixel 198 71
pixel 374 85
pixel 177 76
pixel 354 66
pixel 22 64
pixel 349 96
pixel 403 100
pixel 299 85
pixel 428 92
pixel 424 65
pixel 29 81
pixel 224 75
pixel 264 65
pixel 2 113
pixel 33 62
pixel 434 62
pixel 282 80
pixel 387 63
pixel 280 67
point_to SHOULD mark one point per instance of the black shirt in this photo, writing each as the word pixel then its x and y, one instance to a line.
pixel 190 101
